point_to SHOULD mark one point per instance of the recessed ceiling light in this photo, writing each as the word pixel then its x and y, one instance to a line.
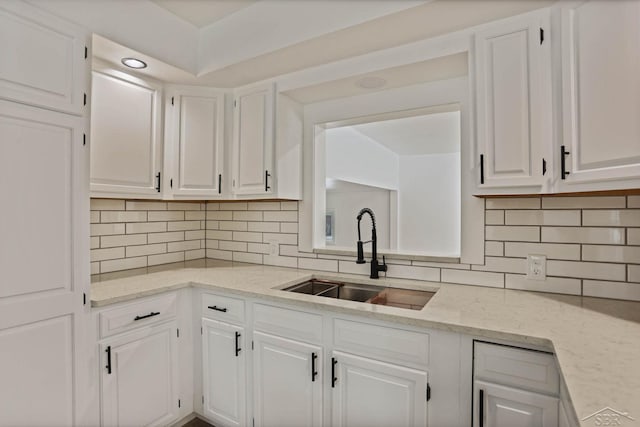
pixel 134 63
pixel 371 82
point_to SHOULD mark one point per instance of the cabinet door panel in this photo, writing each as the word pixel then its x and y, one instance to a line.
pixel 49 70
pixel 253 140
pixel 284 392
pixel 141 389
pixel 509 407
pixel 513 87
pixel 125 148
pixel 224 373
pixel 372 393
pixel 601 92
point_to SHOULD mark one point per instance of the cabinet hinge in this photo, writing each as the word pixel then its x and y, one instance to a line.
pixel 85 99
pixel 541 35
pixel 86 51
pixel 177 333
pixel 84 139
pixel 84 298
pixel 179 403
pixel 544 167
pixel 428 392
pixel 172 100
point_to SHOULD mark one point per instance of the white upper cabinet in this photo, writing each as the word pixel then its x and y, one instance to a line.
pixel 50 69
pixel 600 96
pixel 194 142
pixel 126 148
pixel 253 141
pixel 513 104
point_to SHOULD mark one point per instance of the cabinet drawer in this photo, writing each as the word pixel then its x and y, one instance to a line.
pixel 223 308
pixel 532 370
pixel 287 323
pixel 140 313
pixel 390 344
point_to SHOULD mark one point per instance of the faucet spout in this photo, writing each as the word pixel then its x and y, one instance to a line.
pixel 375 266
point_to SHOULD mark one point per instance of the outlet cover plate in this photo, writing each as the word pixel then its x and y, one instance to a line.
pixel 536 267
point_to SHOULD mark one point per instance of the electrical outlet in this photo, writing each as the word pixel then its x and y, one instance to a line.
pixel 536 267
pixel 273 247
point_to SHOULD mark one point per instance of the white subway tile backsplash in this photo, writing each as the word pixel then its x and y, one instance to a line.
pixel 172 236
pixel 288 227
pixel 265 227
pixel 107 205
pixel 604 253
pixel 289 206
pixel 258 248
pixel 233 206
pixel 594 235
pixel 219 235
pixel 244 236
pixel 218 254
pixel 290 250
pixel 166 216
pixel 551 284
pixel 503 265
pixel 135 251
pixel 212 225
pixel 183 225
pixel 586 270
pixel 94 217
pixel 264 206
pixel 247 216
pixel 233 225
pixel 123 240
pixel 413 272
pixel 194 235
pixel 318 264
pixel 106 229
pixel 195 216
pixel 94 242
pixel 494 217
pixel 220 215
pixel 513 203
pixel 194 254
pixel 620 217
pixel 146 227
pixel 617 290
pixel 513 233
pixel 550 250
pixel 247 257
pixel 286 239
pixel 95 268
pixel 187 245
pixel 122 264
pixel 281 216
pixel 280 261
pixel 184 206
pixel 232 246
pixel 633 201
pixel 105 254
pixel 633 273
pixel 479 278
pixel 494 248
pixel 165 258
pixel 633 234
pixel 133 205
pixel 583 202
pixel 542 217
pixel 123 216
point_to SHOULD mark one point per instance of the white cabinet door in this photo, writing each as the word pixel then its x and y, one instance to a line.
pixel 44 59
pixel 139 378
pixel 501 406
pixel 370 393
pixel 224 373
pixel 45 218
pixel 288 382
pixel 513 88
pixel 253 147
pixel 125 136
pixel 194 153
pixel 601 95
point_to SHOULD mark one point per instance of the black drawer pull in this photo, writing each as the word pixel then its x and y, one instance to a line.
pixel 481 409
pixel 238 343
pixel 267 187
pixel 481 168
pixel 334 379
pixel 216 308
pixel 314 373
pixel 108 351
pixel 153 313
pixel 563 160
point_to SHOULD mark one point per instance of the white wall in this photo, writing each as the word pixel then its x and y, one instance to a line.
pixel 354 157
pixel 429 204
pixel 346 201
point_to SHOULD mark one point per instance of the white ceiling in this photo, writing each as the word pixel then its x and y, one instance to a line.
pixel 201 13
pixel 437 133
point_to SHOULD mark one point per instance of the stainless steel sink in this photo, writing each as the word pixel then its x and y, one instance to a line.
pixel 395 297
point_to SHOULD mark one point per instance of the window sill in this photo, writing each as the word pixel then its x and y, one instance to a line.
pixel 390 255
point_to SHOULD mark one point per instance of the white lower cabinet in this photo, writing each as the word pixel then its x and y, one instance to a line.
pixel 367 392
pixel 287 382
pixel 502 406
pixel 139 377
pixel 224 373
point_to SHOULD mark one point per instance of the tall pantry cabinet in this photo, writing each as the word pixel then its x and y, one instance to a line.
pixel 44 221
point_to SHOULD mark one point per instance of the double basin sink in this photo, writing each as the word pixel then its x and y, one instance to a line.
pixel 393 297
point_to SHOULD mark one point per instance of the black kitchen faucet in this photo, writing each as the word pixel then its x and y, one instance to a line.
pixel 375 267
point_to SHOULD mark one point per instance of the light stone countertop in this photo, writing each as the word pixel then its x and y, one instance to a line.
pixel 596 341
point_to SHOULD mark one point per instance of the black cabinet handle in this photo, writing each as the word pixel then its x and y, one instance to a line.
pixel 153 313
pixel 219 183
pixel 238 343
pixel 334 379
pixel 563 158
pixel 216 308
pixel 481 409
pixel 108 351
pixel 314 373
pixel 158 175
pixel 544 167
pixel 266 181
pixel 481 168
